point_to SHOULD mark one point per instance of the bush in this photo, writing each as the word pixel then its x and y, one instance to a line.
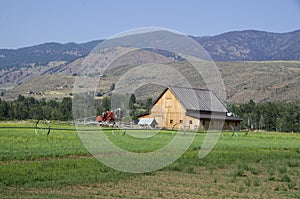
pixel 285 178
pixel 292 185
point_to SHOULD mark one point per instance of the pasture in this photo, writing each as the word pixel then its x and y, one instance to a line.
pixel 259 165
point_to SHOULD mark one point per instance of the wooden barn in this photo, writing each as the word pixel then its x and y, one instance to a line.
pixel 190 109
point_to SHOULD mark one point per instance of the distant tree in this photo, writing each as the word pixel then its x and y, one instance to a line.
pixel 112 87
pixel 21 111
pixel 52 103
pixel 21 98
pixel 83 105
pixel 66 109
pixel 261 122
pixel 3 110
pixel 148 104
pixel 99 110
pixel 46 112
pixel 106 103
pixel 132 101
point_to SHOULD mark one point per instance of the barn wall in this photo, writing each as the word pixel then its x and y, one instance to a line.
pixel 191 123
pixel 169 113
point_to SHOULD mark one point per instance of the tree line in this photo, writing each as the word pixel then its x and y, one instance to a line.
pixel 270 116
pixel 30 108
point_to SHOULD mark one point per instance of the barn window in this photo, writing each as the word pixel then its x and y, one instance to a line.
pixel 180 121
pixel 171 121
pixel 191 122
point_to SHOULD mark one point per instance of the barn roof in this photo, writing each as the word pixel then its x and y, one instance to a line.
pixel 198 99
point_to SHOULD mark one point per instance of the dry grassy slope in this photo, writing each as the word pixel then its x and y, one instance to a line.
pixel 113 58
pixel 260 81
pixel 16 76
pixel 44 86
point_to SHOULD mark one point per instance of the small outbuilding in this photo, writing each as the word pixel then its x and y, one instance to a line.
pixel 147 123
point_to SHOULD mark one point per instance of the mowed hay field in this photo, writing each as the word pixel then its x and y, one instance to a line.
pixel 259 165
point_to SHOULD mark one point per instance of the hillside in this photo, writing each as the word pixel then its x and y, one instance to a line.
pixel 252 45
pixel 43 54
pixel 260 81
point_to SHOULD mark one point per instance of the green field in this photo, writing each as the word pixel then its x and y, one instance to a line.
pixel 259 165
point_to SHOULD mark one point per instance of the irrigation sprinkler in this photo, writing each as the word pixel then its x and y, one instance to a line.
pixel 44 127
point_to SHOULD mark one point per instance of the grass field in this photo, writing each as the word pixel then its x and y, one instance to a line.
pixel 259 165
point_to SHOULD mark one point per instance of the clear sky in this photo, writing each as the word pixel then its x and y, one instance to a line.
pixel 30 22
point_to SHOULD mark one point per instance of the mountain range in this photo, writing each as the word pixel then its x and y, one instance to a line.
pixel 248 45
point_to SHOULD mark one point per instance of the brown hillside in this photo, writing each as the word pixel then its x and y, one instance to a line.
pixel 260 81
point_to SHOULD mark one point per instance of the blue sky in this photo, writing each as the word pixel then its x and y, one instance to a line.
pixel 30 22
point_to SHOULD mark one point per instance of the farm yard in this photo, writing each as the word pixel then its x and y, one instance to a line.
pixel 256 165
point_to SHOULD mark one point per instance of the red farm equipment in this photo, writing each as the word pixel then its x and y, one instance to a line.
pixel 106 119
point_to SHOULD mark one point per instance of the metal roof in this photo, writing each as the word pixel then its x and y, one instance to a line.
pixel 198 99
pixel 147 121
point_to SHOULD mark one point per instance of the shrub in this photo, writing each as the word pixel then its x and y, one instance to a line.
pixel 293 163
pixel 285 178
pixel 239 173
pixel 256 182
pixel 190 170
pixel 282 169
pixel 247 182
pixel 254 171
pixel 271 178
pixel 292 185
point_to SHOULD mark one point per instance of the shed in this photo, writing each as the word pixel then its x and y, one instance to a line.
pixel 147 122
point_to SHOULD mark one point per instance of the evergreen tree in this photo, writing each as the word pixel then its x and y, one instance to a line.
pixel 106 103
